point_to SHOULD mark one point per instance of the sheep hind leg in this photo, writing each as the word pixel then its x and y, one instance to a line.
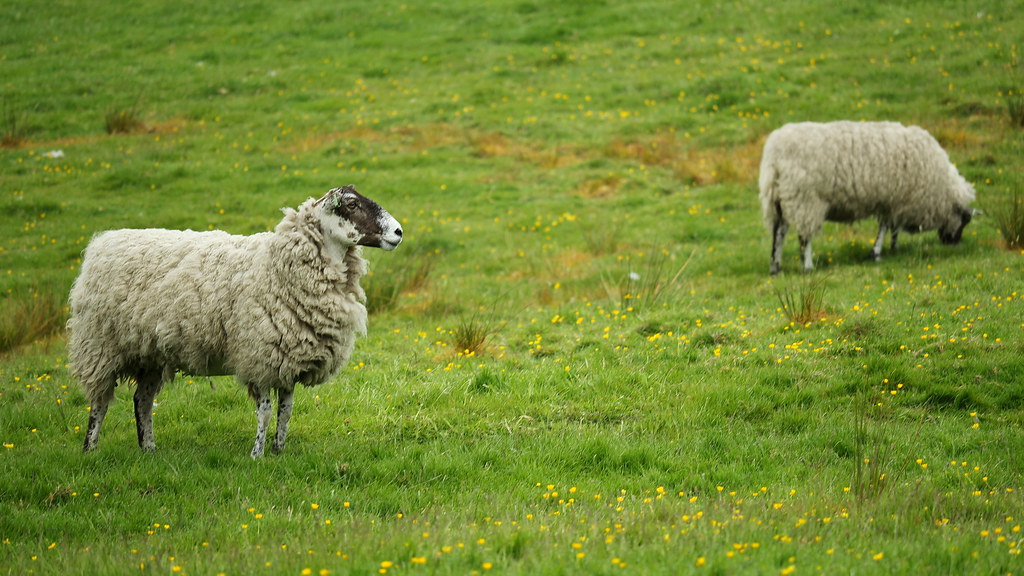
pixel 284 414
pixel 263 413
pixel 97 412
pixel 148 386
pixel 778 239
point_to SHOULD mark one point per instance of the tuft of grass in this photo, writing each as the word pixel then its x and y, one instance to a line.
pixel 484 381
pixel 123 120
pixel 472 335
pixel 13 129
pixel 1015 108
pixel 27 318
pixel 645 284
pixel 872 451
pixel 1009 216
pixel 390 278
pixel 803 301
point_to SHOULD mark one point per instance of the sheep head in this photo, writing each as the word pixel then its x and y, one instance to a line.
pixel 951 230
pixel 355 220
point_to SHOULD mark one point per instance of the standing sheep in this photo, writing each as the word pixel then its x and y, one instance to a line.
pixel 846 171
pixel 274 309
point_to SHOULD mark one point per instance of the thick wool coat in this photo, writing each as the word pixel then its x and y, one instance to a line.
pixel 274 309
pixel 846 171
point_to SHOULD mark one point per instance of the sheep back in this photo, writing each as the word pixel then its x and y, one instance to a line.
pixel 271 308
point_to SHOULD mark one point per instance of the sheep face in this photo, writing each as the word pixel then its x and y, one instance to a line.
pixel 952 228
pixel 355 220
pixel 951 231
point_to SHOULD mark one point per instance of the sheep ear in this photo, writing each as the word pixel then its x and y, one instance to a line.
pixel 332 200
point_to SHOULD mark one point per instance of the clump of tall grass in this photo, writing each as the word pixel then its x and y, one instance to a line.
pixel 648 279
pixel 1010 218
pixel 1015 107
pixel 389 278
pixel 803 301
pixel 472 334
pixel 123 120
pixel 13 129
pixel 28 317
pixel 872 451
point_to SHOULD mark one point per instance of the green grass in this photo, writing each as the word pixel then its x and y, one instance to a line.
pixel 12 131
pixel 1009 217
pixel 577 362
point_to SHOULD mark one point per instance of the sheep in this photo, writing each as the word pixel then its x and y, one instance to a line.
pixel 274 309
pixel 846 171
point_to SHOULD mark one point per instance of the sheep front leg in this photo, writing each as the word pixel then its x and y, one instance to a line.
pixel 149 386
pixel 263 413
pixel 805 250
pixel 876 250
pixel 284 414
pixel 97 411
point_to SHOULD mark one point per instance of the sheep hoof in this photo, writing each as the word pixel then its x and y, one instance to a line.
pixel 275 449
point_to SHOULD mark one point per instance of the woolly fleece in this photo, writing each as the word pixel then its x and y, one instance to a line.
pixel 846 171
pixel 271 308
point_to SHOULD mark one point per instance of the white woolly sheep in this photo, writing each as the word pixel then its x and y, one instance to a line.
pixel 274 309
pixel 846 171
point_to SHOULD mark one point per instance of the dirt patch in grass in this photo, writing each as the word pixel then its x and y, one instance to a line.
pixel 692 165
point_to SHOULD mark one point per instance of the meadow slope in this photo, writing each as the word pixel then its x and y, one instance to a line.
pixel 577 362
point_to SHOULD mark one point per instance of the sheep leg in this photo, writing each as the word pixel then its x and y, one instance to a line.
pixel 284 414
pixel 805 250
pixel 876 250
pixel 895 236
pixel 263 413
pixel 149 386
pixel 97 412
pixel 778 238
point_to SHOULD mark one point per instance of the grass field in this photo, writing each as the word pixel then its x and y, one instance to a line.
pixel 577 362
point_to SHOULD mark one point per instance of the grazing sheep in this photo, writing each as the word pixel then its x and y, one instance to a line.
pixel 274 309
pixel 846 171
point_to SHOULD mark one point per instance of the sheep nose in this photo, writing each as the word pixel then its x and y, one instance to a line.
pixel 398 232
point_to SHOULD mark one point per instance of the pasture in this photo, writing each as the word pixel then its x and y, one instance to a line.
pixel 577 362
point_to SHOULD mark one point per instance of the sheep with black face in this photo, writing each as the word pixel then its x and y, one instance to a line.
pixel 274 309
